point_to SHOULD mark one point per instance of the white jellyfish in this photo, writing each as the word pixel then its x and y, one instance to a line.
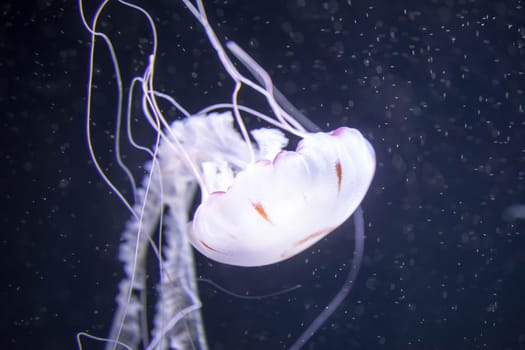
pixel 260 203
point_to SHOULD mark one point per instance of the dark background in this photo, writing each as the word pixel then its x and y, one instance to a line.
pixel 436 86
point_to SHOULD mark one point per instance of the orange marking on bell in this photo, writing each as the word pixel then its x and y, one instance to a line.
pixel 207 246
pixel 339 172
pixel 314 235
pixel 299 244
pixel 260 210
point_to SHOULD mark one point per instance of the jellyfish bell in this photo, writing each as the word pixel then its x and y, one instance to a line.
pixel 277 207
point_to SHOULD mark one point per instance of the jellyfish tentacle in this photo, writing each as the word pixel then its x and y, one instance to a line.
pixel 255 69
pixel 359 246
pixel 287 113
pixel 289 124
pixel 92 29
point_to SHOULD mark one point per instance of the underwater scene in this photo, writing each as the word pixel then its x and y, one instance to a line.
pixel 263 175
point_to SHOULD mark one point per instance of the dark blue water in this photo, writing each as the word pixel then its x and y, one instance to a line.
pixel 436 86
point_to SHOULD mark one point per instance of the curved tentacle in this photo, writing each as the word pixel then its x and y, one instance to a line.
pixel 347 286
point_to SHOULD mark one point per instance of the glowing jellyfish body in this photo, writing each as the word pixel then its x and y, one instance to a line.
pixel 261 204
pixel 279 206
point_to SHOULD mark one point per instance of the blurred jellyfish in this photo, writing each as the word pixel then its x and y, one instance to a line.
pixel 514 212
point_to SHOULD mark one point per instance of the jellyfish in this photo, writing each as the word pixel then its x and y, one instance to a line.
pixel 514 212
pixel 260 203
